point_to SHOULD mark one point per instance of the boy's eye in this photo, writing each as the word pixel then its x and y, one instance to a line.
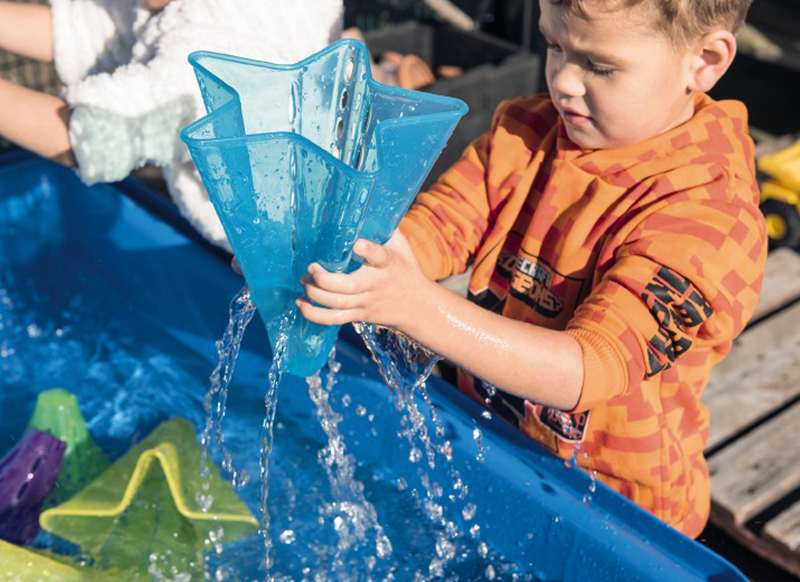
pixel 599 69
pixel 552 47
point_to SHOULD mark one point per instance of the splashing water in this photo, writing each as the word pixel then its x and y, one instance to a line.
pixel 267 434
pixel 403 363
pixel 241 312
pixel 573 462
pixel 353 516
pixel 477 436
pixel 405 366
pixel 587 498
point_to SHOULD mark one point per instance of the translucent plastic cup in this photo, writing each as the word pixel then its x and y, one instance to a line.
pixel 300 161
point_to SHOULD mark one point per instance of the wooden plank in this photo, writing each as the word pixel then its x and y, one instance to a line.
pixel 784 531
pixel 756 471
pixel 761 373
pixel 781 281
pixel 765 548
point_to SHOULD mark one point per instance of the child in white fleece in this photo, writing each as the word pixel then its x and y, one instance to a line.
pixel 128 86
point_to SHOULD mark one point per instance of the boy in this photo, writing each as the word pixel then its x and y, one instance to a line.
pixel 617 243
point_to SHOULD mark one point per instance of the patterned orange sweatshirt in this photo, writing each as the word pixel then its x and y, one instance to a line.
pixel 650 256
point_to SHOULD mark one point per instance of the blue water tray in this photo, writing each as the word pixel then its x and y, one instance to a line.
pixel 129 244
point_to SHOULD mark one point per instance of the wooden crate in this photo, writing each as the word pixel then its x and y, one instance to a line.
pixel 754 446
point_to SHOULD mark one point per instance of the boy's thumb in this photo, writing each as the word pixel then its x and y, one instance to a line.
pixel 376 255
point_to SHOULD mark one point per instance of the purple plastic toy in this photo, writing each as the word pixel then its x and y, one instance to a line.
pixel 27 475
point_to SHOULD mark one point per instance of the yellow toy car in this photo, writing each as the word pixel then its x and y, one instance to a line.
pixel 779 179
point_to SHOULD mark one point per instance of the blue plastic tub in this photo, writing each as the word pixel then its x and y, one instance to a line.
pixel 122 255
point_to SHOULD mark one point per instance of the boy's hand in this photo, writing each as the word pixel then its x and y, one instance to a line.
pixel 384 290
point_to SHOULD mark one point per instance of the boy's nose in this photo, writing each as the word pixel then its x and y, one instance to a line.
pixel 566 81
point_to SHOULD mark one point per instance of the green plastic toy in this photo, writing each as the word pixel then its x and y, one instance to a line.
pixel 25 565
pixel 57 412
pixel 147 504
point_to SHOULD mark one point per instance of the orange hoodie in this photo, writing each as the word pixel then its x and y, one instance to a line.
pixel 650 256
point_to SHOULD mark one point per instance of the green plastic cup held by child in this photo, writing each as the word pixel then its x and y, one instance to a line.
pixel 151 501
pixel 57 413
pixel 300 161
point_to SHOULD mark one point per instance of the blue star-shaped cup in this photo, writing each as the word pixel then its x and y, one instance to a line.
pixel 301 160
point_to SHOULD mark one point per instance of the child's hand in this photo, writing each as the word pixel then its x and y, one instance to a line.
pixel 384 290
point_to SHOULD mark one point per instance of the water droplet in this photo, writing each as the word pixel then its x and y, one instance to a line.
pixel 478 437
pixel 469 511
pixel 383 547
pixel 204 501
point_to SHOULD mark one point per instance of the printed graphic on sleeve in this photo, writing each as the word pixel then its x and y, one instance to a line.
pixel 677 306
pixel 567 426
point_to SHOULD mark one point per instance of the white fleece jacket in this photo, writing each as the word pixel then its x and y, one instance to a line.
pixel 131 88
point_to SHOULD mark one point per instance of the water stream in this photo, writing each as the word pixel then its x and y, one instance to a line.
pixel 241 312
pixel 405 366
pixel 354 518
pixel 267 433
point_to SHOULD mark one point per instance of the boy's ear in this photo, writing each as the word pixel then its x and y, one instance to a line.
pixel 711 57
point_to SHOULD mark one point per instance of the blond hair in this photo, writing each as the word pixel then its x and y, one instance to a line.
pixel 681 20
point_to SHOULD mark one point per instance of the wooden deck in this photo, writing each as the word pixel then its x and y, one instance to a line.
pixel 754 446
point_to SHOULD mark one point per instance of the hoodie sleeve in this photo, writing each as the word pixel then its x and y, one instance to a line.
pixel 91 36
pixel 688 275
pixel 446 225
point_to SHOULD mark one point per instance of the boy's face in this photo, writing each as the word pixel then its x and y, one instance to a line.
pixel 614 79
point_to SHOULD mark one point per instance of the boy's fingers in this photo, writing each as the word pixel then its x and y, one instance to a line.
pixel 376 255
pixel 332 300
pixel 325 316
pixel 334 282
